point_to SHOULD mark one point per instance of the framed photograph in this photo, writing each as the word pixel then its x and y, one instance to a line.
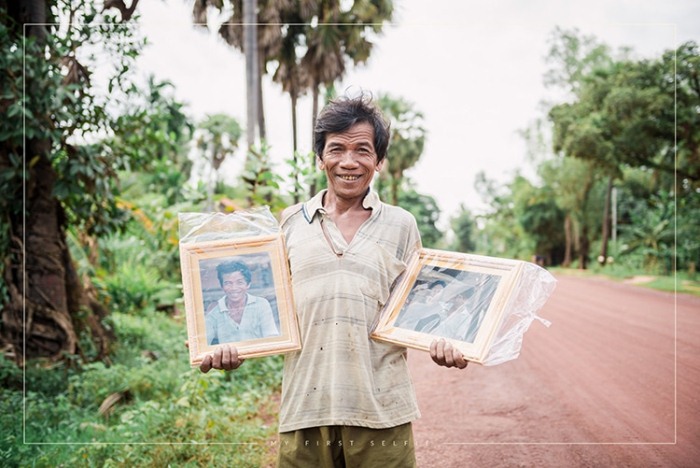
pixel 455 296
pixel 238 292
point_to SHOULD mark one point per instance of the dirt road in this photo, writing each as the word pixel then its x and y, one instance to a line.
pixel 615 381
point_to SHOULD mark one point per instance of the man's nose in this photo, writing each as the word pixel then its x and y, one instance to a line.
pixel 349 157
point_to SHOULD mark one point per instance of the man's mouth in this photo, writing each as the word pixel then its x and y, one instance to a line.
pixel 349 177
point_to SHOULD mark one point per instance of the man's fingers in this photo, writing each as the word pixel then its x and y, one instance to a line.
pixel 235 360
pixel 205 366
pixel 437 351
pixel 216 359
pixel 448 354
pixel 444 354
pixel 460 361
pixel 226 358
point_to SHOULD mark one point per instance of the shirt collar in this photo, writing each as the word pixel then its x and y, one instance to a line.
pixel 222 302
pixel 315 205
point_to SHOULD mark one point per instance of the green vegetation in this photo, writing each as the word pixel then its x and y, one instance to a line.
pixel 162 411
pixel 610 185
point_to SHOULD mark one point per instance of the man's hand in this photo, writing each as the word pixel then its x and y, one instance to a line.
pixel 444 354
pixel 225 358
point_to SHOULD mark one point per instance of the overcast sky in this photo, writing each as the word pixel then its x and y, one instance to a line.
pixel 474 68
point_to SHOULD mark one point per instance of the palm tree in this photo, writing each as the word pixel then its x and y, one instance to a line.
pixel 329 35
pixel 407 140
pixel 294 82
pixel 268 36
pixel 217 140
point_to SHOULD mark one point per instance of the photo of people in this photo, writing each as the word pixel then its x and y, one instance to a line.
pixel 424 309
pixel 448 303
pixel 239 299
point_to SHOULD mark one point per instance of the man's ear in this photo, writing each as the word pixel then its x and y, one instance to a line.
pixel 380 165
pixel 319 163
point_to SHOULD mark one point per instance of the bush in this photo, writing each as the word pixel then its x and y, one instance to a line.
pixel 168 413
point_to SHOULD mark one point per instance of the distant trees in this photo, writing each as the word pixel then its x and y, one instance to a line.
pixel 427 213
pixel 464 228
pixel 217 139
pixel 613 133
pixel 407 142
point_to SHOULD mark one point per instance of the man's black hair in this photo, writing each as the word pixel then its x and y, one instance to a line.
pixel 232 267
pixel 342 113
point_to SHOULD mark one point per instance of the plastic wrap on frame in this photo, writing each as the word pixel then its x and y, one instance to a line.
pixel 202 227
pixel 532 289
pixel 252 237
pixel 483 305
pixel 473 290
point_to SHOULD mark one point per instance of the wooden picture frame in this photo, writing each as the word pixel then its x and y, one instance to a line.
pixel 473 293
pixel 211 323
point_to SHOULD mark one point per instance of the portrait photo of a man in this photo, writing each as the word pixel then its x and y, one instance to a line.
pixel 237 308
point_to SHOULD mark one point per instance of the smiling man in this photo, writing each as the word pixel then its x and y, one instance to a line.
pixel 343 392
pixel 238 316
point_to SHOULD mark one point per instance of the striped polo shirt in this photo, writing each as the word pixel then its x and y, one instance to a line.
pixel 341 376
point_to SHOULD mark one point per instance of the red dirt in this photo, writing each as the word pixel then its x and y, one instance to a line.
pixel 613 382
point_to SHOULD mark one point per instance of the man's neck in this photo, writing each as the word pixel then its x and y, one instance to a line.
pixel 338 206
pixel 230 305
pixel 347 214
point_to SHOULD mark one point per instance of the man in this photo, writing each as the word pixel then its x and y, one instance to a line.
pixel 238 316
pixel 347 400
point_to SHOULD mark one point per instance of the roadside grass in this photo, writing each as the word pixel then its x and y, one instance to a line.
pixel 162 412
pixel 682 282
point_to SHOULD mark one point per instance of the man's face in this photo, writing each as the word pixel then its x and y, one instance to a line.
pixel 235 286
pixel 349 161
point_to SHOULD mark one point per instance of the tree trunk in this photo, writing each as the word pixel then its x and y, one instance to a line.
pixel 48 309
pixel 251 67
pixel 46 318
pixel 394 183
pixel 568 238
pixel 584 247
pixel 294 147
pixel 583 239
pixel 261 111
pixel 605 234
pixel 295 140
pixel 314 112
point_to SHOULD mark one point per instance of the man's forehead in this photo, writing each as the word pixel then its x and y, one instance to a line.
pixel 358 131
